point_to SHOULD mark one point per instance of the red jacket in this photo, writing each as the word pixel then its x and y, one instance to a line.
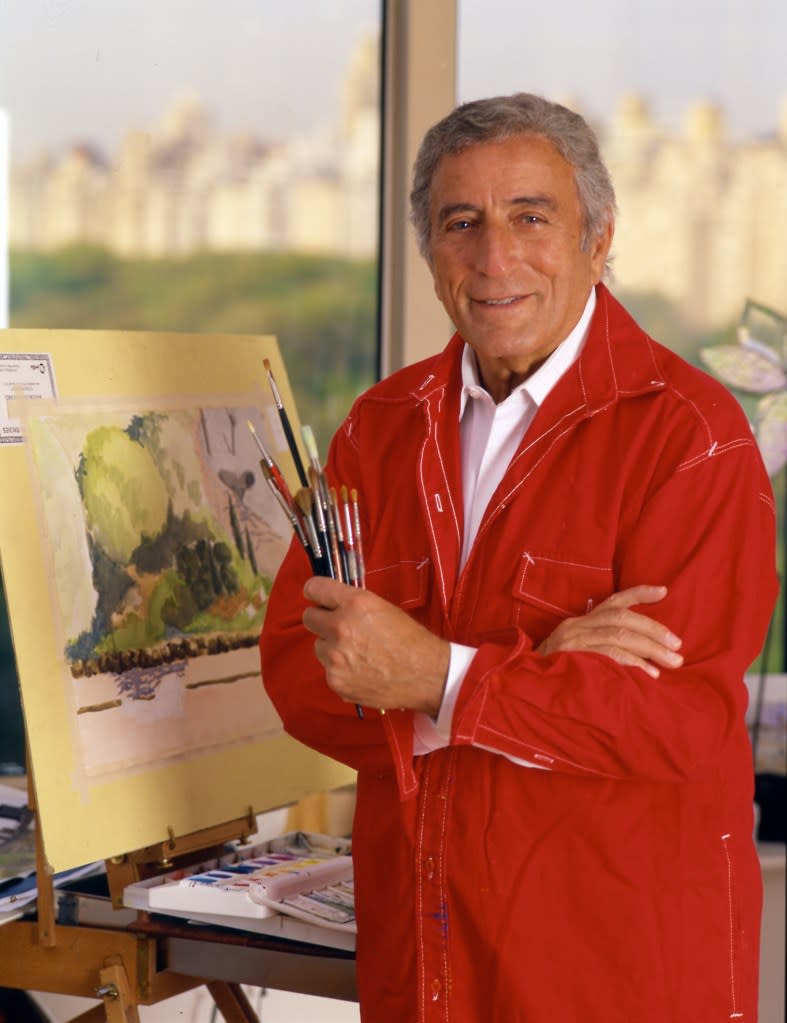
pixel 621 883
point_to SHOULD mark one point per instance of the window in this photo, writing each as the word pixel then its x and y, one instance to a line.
pixel 690 105
pixel 190 166
pixel 184 166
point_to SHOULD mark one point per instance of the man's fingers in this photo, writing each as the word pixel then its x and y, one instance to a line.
pixel 623 656
pixel 326 592
pixel 635 644
pixel 621 630
pixel 627 636
pixel 316 620
pixel 635 595
pixel 633 622
pixel 615 610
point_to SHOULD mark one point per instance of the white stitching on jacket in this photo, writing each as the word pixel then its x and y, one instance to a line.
pixel 735 1013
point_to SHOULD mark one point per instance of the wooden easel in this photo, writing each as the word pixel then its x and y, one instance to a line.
pixel 116 966
pixel 145 963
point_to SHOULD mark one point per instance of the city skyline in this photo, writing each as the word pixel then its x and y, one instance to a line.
pixel 701 218
pixel 675 53
pixel 131 63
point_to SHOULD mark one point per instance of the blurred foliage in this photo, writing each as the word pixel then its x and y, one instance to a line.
pixel 322 309
pixel 664 322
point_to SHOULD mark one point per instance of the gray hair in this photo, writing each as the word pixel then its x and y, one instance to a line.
pixel 504 117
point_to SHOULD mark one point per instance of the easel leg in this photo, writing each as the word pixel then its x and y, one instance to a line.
pixel 116 995
pixel 231 1002
pixel 117 1004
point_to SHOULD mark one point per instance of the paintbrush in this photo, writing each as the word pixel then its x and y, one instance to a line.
pixel 285 422
pixel 349 540
pixel 360 565
pixel 321 498
pixel 303 500
pixel 340 536
pixel 295 522
pixel 274 470
pixel 311 447
pixel 319 485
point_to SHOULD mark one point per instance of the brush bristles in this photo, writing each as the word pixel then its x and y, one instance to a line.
pixel 257 441
pixel 310 443
pixel 304 500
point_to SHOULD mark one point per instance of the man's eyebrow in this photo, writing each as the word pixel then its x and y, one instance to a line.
pixel 455 207
pixel 539 201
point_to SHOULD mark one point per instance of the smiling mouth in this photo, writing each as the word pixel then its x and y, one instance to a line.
pixel 499 301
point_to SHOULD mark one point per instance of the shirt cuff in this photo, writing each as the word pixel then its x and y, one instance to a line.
pixel 434 733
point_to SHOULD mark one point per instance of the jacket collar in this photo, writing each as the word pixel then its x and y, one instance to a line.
pixel 617 361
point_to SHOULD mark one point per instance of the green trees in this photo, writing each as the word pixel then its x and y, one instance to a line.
pixel 124 496
pixel 160 575
pixel 322 309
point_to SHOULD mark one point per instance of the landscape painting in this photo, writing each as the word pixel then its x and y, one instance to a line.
pixel 162 540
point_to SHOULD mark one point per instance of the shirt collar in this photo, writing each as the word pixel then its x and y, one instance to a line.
pixel 537 386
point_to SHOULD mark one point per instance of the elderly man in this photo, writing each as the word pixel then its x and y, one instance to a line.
pixel 570 564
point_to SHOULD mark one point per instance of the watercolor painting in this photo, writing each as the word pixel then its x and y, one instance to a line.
pixel 162 540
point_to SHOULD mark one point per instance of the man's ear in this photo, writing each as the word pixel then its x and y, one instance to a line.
pixel 600 244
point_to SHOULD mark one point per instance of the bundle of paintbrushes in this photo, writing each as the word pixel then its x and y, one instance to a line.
pixel 327 524
pixel 328 527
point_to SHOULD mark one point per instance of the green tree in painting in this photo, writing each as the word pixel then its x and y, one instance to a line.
pixel 124 496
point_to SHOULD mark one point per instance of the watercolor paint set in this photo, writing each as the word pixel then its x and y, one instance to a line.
pixel 298 886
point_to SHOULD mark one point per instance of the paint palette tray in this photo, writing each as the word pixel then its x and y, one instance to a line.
pixel 239 889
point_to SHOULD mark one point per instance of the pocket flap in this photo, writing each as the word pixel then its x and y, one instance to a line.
pixel 563 588
pixel 405 584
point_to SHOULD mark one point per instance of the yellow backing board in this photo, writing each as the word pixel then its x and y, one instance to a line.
pixel 103 812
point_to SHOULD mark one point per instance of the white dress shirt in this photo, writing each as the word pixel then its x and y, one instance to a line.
pixel 490 435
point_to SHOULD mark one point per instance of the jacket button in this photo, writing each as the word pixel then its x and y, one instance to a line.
pixel 436 988
pixel 429 867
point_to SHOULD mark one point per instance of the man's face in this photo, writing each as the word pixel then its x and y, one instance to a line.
pixel 505 253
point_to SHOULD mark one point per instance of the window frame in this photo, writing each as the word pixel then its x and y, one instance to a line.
pixel 419 55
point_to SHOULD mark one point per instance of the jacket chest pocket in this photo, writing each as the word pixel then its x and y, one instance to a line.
pixel 405 584
pixel 548 590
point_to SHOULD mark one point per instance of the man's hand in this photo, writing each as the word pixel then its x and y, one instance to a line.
pixel 373 653
pixel 626 636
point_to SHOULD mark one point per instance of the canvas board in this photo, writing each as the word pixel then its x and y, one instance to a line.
pixel 139 543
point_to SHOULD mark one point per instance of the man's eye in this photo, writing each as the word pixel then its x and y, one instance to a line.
pixel 459 225
pixel 530 218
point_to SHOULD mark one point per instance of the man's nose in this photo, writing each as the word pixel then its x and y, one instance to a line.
pixel 496 250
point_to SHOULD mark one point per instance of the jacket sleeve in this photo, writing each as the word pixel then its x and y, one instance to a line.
pixel 291 673
pixel 707 533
